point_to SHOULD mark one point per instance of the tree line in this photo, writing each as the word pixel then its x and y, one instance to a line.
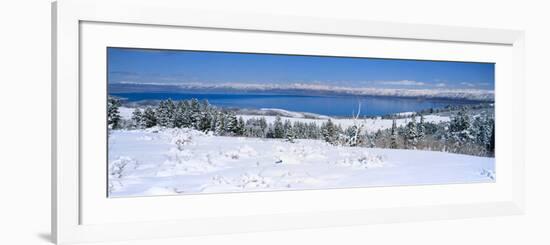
pixel 463 134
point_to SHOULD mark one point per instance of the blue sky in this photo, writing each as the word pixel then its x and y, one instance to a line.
pixel 170 67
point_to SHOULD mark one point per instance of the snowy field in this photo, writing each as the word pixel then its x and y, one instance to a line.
pixel 178 161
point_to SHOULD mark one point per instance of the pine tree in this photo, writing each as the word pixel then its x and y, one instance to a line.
pixel 411 134
pixel 205 116
pixel 195 113
pixel 252 128
pixel 368 139
pixel 232 124
pixel 492 142
pixel 270 132
pixel 287 128
pixel 137 118
pixel 113 115
pixel 205 121
pixel 299 130
pixel 314 132
pixel 149 118
pixel 263 126
pixel 393 137
pixel 214 121
pixel 289 134
pixel 379 140
pixel 459 127
pixel 482 130
pixel 421 128
pixel 220 123
pixel 338 133
pixel 240 126
pixel 278 128
pixel 180 115
pixel 165 113
pixel 330 132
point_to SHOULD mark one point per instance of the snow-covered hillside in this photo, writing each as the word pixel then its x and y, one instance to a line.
pixel 159 161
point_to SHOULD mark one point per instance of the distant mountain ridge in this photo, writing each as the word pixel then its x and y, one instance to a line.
pixel 305 89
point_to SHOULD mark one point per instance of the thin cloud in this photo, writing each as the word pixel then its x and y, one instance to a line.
pixel 403 83
pixel 467 84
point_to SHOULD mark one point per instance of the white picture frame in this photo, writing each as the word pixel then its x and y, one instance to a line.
pixel 69 196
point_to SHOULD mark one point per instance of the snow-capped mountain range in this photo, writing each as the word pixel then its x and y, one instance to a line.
pixel 439 93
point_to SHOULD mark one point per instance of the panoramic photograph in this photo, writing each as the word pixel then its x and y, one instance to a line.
pixel 191 122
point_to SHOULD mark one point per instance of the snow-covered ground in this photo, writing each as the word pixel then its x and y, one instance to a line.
pixel 281 112
pixel 126 112
pixel 178 161
pixel 405 114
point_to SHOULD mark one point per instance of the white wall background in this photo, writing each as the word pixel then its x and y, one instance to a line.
pixel 25 122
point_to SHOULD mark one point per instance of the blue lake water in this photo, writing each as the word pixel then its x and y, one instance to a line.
pixel 331 105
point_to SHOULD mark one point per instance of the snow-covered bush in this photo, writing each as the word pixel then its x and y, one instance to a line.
pixel 117 168
pixel 248 180
pixel 364 160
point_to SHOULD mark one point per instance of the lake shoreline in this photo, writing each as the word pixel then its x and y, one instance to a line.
pixel 309 106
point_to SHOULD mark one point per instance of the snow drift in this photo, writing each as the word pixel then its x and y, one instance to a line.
pixel 159 161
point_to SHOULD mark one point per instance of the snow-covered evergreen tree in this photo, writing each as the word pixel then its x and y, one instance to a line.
pixel 367 140
pixel 289 133
pixel 421 128
pixel 393 136
pixel 482 129
pixel 492 142
pixel 278 128
pixel 270 132
pixel 165 113
pixel 240 126
pixel 232 124
pixel 287 128
pixel 300 130
pixel 195 113
pixel 214 121
pixel 137 119
pixel 314 132
pixel 181 115
pixel 459 127
pixel 113 115
pixel 379 139
pixel 411 134
pixel 263 126
pixel 330 132
pixel 488 126
pixel 221 120
pixel 149 117
pixel 205 120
